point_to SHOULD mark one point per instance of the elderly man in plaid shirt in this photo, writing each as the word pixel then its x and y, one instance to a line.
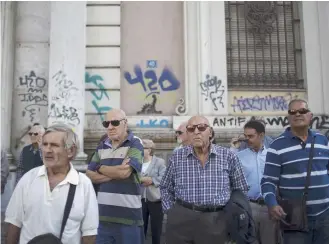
pixel 196 187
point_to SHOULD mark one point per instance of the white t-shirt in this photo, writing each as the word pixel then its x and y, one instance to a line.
pixel 145 166
pixel 37 210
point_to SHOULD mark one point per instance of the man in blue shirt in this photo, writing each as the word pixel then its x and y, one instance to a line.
pixel 253 162
pixel 286 170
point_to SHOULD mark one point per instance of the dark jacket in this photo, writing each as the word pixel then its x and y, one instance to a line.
pixel 240 223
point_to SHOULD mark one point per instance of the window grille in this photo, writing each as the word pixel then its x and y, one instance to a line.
pixel 263 45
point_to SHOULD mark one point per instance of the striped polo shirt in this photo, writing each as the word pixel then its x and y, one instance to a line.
pixel 286 167
pixel 119 201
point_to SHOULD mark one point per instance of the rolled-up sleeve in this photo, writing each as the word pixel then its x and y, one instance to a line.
pixel 237 177
pixel 90 221
pixel 167 187
pixel 136 154
pixel 15 209
pixel 95 160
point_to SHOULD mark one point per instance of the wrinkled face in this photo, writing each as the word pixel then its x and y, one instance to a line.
pixel 253 138
pixel 117 126
pixel 54 152
pixel 181 134
pixel 299 115
pixel 199 131
pixel 35 135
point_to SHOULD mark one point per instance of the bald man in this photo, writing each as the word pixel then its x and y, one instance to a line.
pixel 116 166
pixel 182 136
pixel 196 187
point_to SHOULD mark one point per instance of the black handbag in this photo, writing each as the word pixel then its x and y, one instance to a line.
pixel 50 238
pixel 296 218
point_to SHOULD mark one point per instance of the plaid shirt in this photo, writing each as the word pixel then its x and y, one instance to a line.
pixel 20 168
pixel 211 185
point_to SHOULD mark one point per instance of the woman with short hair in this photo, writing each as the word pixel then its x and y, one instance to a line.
pixel 153 169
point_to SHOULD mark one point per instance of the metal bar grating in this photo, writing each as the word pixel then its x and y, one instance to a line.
pixel 262 45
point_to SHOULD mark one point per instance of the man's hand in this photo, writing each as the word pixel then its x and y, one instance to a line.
pixel 146 181
pixel 125 161
pixel 124 170
pixel 276 212
pixel 235 143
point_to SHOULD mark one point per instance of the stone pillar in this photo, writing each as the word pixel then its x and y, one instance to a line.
pixel 67 67
pixel 205 57
pixel 7 69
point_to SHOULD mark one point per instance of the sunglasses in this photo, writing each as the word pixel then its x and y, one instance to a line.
pixel 178 132
pixel 35 134
pixel 300 111
pixel 112 122
pixel 201 127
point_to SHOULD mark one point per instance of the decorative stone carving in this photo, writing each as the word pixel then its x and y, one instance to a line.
pixel 181 108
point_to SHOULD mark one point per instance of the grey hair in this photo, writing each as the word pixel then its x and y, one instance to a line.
pixel 298 100
pixel 71 138
pixel 39 128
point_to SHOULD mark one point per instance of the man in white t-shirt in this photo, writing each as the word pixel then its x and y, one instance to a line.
pixel 37 204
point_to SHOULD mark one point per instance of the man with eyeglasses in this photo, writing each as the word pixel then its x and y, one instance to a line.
pixel 182 136
pixel 30 156
pixel 287 164
pixel 196 187
pixel 116 166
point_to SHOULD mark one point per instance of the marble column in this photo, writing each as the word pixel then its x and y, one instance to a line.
pixel 66 89
pixel 7 70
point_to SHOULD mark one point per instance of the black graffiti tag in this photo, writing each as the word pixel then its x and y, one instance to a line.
pixel 64 112
pixel 212 88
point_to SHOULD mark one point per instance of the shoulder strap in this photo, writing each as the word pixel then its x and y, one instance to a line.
pixel 68 207
pixel 309 167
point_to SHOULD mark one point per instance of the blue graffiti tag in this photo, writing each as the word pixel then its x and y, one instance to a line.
pixel 150 81
pixel 98 94
pixel 153 123
pixel 152 64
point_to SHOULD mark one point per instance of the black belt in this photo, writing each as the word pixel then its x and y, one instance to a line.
pixel 259 201
pixel 199 208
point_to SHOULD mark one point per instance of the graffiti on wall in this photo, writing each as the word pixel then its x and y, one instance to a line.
pixel 261 102
pixel 34 98
pixel 99 94
pixel 63 99
pixel 152 85
pixel 153 123
pixel 319 122
pixel 212 89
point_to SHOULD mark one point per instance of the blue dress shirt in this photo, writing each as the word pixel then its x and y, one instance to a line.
pixel 253 166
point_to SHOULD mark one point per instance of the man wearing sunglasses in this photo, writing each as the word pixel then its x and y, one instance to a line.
pixel 196 187
pixel 30 156
pixel 182 136
pixel 286 170
pixel 116 166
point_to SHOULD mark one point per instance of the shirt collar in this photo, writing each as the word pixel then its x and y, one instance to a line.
pixel 289 134
pixel 212 150
pixel 72 176
pixel 108 142
pixel 33 149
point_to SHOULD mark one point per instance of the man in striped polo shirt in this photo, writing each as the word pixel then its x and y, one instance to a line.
pixel 286 167
pixel 116 166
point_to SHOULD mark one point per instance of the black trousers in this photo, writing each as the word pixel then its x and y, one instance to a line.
pixel 153 210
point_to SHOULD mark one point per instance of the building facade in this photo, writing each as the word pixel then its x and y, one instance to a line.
pixel 161 62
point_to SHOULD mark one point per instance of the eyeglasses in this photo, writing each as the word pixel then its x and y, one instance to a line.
pixel 300 111
pixel 178 132
pixel 35 134
pixel 112 122
pixel 201 127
